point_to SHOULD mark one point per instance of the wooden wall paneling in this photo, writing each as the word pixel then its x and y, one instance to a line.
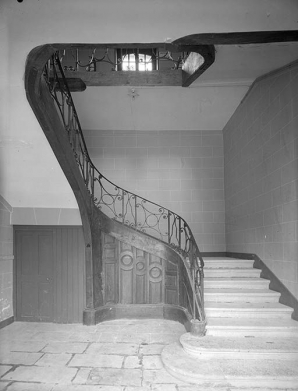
pixel 110 269
pixel 45 267
pixel 156 280
pixel 141 267
pixel 70 294
pixel 34 274
pixel 126 274
pixel 171 283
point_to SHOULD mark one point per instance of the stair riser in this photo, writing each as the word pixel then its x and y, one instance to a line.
pixel 232 273
pixel 252 333
pixel 244 355
pixel 228 298
pixel 237 285
pixel 214 313
pixel 265 383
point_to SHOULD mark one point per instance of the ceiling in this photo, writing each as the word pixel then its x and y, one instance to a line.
pixel 30 175
pixel 206 105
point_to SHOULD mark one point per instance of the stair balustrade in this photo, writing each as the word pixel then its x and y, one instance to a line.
pixel 123 206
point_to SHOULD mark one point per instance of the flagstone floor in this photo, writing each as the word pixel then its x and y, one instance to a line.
pixel 120 355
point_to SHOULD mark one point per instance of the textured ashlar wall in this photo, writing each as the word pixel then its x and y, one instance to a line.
pixel 261 174
pixel 6 261
pixel 180 170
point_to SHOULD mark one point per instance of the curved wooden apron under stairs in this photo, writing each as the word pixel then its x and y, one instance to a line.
pixel 251 339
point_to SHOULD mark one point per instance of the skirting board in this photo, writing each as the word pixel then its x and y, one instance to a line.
pixel 111 312
pixel 6 322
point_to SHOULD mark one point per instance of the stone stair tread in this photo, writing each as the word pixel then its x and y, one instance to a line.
pixel 238 263
pixel 246 306
pixel 224 259
pixel 236 279
pixel 234 323
pixel 235 344
pixel 233 372
pixel 241 291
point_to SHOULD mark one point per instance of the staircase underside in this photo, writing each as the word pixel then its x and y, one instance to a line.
pixel 251 341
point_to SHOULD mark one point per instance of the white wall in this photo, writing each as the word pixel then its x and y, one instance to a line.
pixel 30 175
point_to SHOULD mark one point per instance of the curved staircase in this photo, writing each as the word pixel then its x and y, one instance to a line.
pixel 251 341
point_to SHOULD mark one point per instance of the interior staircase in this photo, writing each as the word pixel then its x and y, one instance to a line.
pixel 251 340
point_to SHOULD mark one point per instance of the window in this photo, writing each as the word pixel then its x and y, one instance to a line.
pixel 136 59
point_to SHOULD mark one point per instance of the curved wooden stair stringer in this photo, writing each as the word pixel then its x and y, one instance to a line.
pixel 96 223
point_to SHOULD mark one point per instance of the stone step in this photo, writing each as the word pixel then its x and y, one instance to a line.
pixel 263 374
pixel 241 348
pixel 240 283
pixel 247 310
pixel 252 327
pixel 243 295
pixel 231 273
pixel 222 263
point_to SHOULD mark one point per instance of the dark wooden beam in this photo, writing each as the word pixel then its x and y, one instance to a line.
pixel 237 38
pixel 127 78
pixel 193 67
pixel 75 84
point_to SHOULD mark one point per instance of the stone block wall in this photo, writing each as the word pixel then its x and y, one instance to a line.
pixel 180 170
pixel 6 261
pixel 261 174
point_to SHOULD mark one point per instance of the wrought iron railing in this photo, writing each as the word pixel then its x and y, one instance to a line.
pixel 90 60
pixel 122 205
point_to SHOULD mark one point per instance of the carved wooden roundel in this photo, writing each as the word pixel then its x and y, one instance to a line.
pixel 126 260
pixel 140 266
pixel 155 272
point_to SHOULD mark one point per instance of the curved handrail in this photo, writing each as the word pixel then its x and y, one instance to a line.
pixel 120 204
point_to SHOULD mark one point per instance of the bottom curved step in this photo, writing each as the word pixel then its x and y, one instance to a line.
pixel 263 374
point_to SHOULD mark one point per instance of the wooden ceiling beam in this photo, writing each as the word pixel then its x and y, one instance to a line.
pixel 128 78
pixel 237 38
pixel 193 66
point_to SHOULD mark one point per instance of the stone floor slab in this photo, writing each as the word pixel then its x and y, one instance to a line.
pixel 152 362
pixel 127 349
pixel 96 360
pixel 82 376
pixel 132 362
pixel 164 387
pixel 125 377
pixel 46 375
pixel 84 336
pixel 151 349
pixel 4 369
pixel 3 385
pixel 72 387
pixel 65 347
pixel 133 337
pixel 22 346
pixel 19 358
pixel 54 360
pixel 20 386
pixel 159 376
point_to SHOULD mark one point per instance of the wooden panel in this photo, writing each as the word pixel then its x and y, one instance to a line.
pixel 156 280
pixel 141 267
pixel 126 78
pixel 110 269
pixel 34 275
pixel 69 275
pixel 126 274
pixel 171 284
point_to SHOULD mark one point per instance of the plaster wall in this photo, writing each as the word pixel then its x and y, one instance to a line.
pixel 261 175
pixel 6 261
pixel 27 160
pixel 180 170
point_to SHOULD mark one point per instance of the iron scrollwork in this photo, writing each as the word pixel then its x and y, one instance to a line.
pixel 122 205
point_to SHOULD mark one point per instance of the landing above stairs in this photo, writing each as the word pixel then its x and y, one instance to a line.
pixel 251 341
